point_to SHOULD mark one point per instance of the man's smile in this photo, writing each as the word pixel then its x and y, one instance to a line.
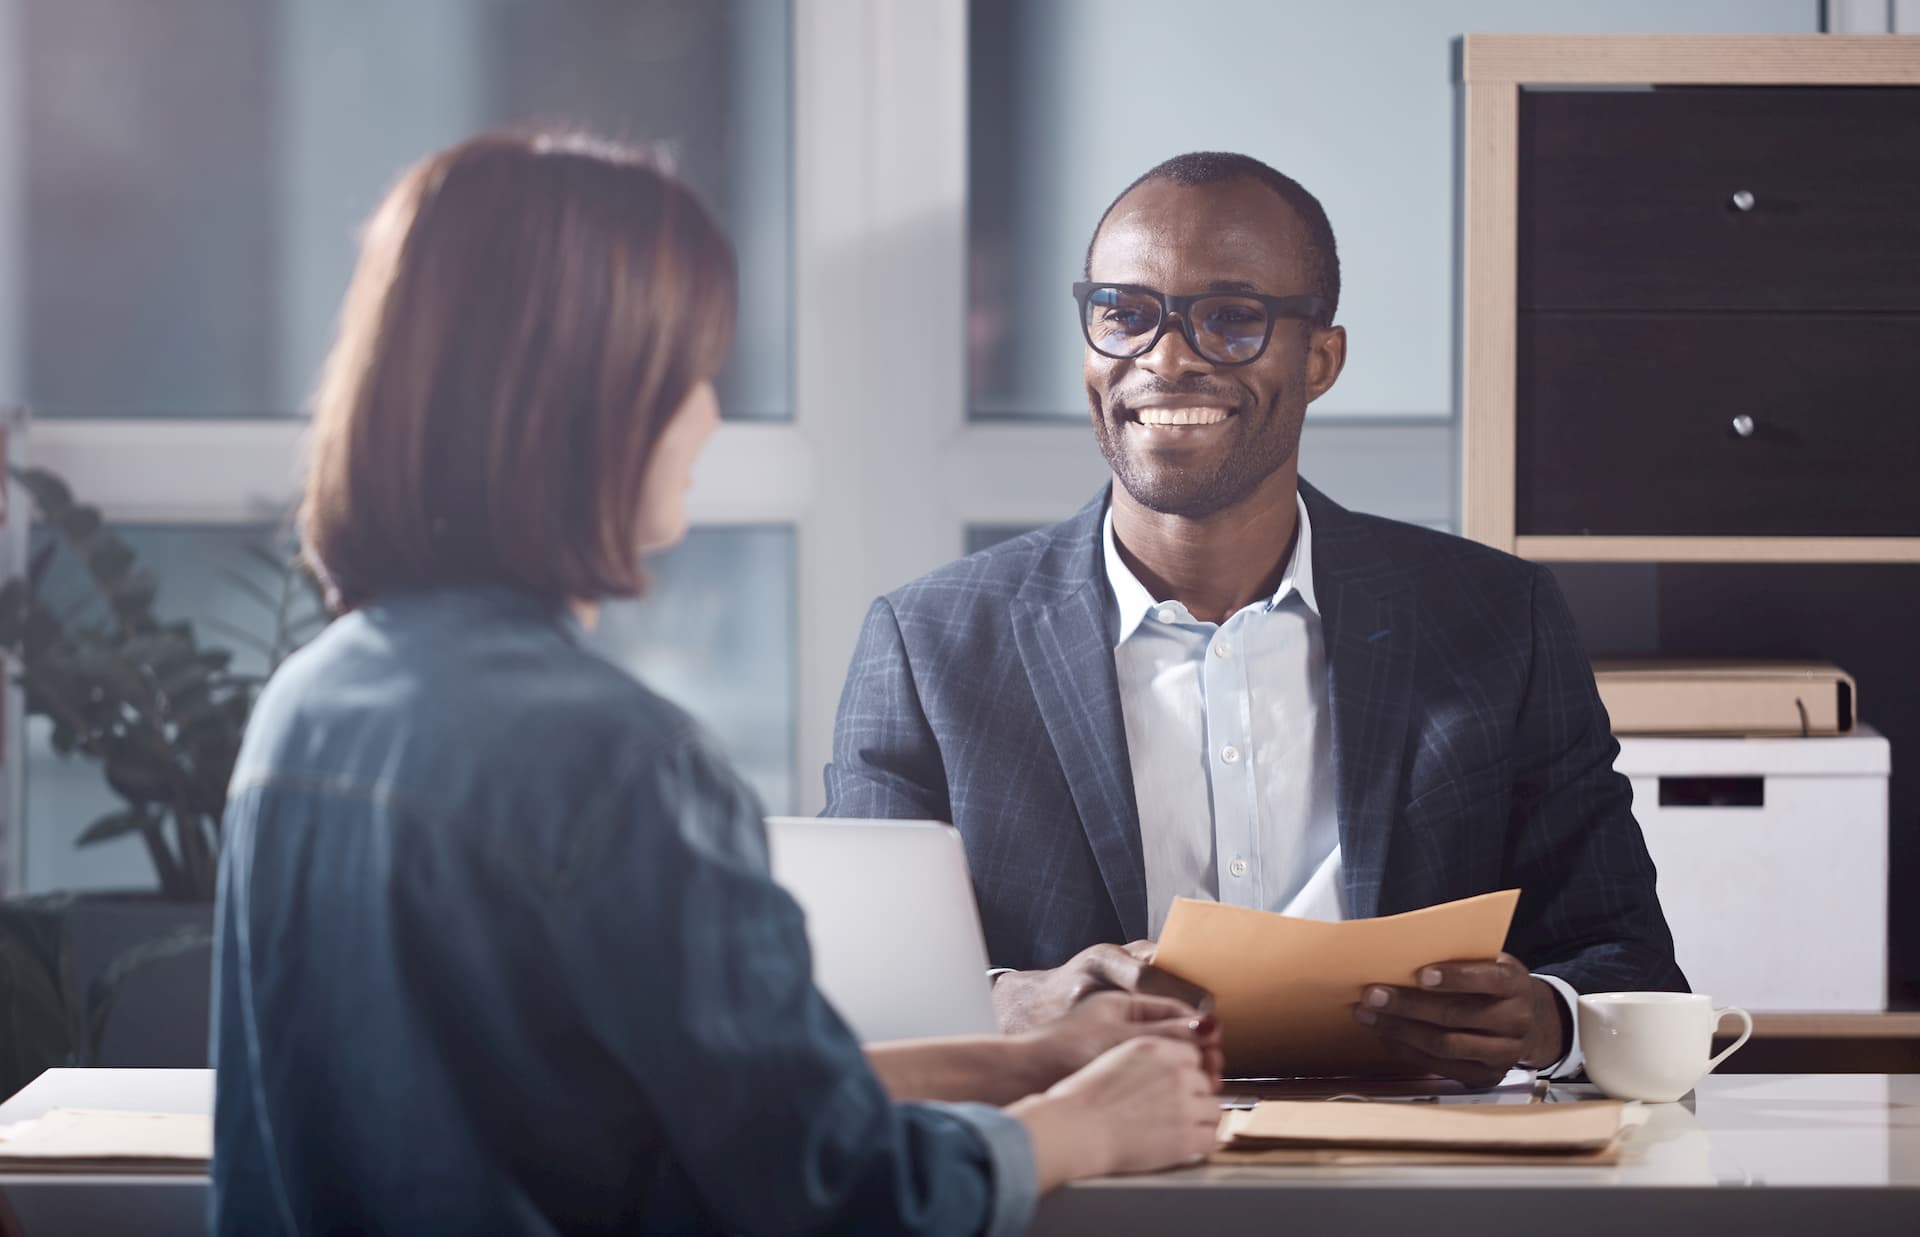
pixel 1204 415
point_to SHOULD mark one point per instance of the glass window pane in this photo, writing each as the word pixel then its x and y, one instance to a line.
pixel 716 636
pixel 194 171
pixel 1071 99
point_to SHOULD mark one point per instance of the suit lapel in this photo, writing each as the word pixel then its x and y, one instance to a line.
pixel 1368 622
pixel 1060 627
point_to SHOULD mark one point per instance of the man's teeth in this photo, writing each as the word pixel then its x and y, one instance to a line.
pixel 1181 416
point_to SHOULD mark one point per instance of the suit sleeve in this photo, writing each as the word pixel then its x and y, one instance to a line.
pixel 886 762
pixel 1588 910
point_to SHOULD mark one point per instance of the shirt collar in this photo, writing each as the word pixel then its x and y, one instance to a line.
pixel 1133 602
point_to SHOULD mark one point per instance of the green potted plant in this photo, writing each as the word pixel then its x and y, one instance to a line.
pixel 161 714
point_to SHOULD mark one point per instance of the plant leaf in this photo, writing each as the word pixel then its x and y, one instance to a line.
pixel 111 561
pixel 42 559
pixel 179 679
pixel 110 826
pixel 243 636
pixel 279 564
pixel 49 492
pixel 252 588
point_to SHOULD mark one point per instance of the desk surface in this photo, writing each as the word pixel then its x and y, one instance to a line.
pixel 1756 1153
pixel 1766 1152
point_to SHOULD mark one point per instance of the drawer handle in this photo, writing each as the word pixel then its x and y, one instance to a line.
pixel 1713 792
pixel 1743 425
pixel 1742 200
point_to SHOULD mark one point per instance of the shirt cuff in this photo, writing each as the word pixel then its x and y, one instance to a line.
pixel 1574 1061
pixel 995 972
pixel 1016 1183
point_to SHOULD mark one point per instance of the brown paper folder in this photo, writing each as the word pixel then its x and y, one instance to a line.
pixel 1284 989
pixel 1325 1133
pixel 1472 1127
pixel 1726 697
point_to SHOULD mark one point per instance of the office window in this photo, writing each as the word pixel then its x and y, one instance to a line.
pixel 715 637
pixel 193 171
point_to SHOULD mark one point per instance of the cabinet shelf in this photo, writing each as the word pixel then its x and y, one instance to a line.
pixel 1570 199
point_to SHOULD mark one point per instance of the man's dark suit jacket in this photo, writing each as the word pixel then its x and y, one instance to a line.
pixel 1470 748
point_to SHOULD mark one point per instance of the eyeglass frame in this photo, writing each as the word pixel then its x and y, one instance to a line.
pixel 1307 305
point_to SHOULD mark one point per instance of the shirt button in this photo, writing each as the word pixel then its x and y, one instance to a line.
pixel 1230 754
pixel 1223 648
pixel 1238 867
pixel 1167 615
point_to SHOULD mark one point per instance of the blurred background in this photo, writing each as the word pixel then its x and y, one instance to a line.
pixel 910 185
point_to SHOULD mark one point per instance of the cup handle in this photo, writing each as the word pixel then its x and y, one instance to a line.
pixel 1746 1033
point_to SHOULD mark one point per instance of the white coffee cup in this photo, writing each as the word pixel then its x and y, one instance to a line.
pixel 1652 1045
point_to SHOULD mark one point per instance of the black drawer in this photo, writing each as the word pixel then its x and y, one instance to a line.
pixel 1627 425
pixel 1628 199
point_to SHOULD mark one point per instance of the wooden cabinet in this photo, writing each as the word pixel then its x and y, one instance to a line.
pixel 1663 424
pixel 1692 318
pixel 1784 199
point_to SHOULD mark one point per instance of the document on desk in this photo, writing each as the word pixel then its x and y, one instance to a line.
pixel 1375 1134
pixel 1284 989
pixel 99 1140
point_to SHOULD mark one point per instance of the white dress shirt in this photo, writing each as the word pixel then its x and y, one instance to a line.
pixel 1231 746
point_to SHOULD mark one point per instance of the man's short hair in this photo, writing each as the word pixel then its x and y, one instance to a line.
pixel 528 312
pixel 1216 167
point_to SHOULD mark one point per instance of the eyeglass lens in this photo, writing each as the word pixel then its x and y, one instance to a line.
pixel 1224 329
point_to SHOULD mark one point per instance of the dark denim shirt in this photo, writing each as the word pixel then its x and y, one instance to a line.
pixel 498 952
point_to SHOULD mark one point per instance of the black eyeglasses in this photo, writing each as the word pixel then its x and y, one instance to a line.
pixel 1123 320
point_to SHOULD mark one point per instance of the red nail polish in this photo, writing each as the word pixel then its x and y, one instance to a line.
pixel 1204 1025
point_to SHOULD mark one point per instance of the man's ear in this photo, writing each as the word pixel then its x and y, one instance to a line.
pixel 1326 357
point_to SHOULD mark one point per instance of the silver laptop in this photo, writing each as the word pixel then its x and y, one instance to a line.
pixel 890 915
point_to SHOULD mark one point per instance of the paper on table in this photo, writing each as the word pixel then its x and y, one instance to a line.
pixel 1284 989
pixel 66 1137
pixel 1534 1128
pixel 1236 1151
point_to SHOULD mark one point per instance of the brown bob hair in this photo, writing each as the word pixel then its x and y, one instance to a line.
pixel 527 313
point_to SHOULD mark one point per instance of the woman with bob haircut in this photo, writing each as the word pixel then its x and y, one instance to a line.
pixel 497 949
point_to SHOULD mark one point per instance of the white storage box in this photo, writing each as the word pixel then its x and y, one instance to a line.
pixel 1773 864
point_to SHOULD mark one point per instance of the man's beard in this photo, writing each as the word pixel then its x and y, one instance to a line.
pixel 1259 443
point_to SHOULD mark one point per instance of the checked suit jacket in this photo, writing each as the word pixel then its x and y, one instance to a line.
pixel 1470 749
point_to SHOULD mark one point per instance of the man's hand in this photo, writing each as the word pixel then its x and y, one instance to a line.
pixel 1101 1020
pixel 1025 1000
pixel 1471 1021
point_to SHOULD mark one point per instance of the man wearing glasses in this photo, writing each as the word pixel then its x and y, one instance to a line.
pixel 1215 682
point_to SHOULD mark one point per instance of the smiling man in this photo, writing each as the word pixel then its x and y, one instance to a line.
pixel 1216 682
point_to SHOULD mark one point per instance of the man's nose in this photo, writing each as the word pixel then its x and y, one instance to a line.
pixel 1172 356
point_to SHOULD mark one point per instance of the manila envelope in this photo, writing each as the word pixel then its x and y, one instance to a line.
pixel 1284 989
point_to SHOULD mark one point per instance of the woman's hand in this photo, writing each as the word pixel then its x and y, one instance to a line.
pixel 1101 1020
pixel 1144 1105
pixel 999 1069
